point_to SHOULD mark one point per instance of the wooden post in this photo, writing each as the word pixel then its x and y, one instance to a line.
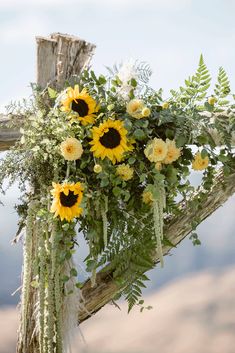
pixel 58 58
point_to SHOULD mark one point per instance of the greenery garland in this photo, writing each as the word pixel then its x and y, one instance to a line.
pixel 109 154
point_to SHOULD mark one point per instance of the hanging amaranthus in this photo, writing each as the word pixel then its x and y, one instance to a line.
pixel 159 201
pixel 27 270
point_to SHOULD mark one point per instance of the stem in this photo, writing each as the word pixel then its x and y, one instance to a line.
pixel 68 170
pixel 104 211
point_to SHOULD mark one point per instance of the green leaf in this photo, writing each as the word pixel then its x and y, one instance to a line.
pixel 181 141
pixel 139 134
pixel 73 272
pixel 128 124
pixel 208 107
pixel 226 170
pixel 52 93
pixel 117 191
pixel 202 139
pixel 66 226
pixel 204 153
pixel 143 177
pixel 102 80
pixel 65 278
pixel 195 239
pixel 131 160
pixel 104 182
pixel 91 265
pixel 223 158
pixel 79 285
pixel 133 83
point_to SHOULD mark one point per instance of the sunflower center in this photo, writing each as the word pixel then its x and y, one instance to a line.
pixel 111 138
pixel 80 106
pixel 68 200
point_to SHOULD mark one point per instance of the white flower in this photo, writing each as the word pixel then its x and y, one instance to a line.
pixel 127 72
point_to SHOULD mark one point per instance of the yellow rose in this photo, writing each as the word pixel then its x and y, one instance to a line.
pixel 71 149
pixel 156 150
pixel 147 197
pixel 135 107
pixel 200 163
pixel 125 172
pixel 173 153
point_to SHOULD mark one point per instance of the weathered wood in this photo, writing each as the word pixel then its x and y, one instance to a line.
pixel 175 230
pixel 60 57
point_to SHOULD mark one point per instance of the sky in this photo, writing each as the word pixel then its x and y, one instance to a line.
pixel 170 35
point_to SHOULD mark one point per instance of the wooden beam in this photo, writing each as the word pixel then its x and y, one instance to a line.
pixel 8 136
pixel 176 229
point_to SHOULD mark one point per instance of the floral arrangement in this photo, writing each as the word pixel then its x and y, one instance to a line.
pixel 110 155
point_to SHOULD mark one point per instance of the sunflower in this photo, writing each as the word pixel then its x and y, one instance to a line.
pixel 67 199
pixel 109 140
pixel 80 104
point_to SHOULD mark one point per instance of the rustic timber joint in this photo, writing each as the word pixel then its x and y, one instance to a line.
pixel 60 57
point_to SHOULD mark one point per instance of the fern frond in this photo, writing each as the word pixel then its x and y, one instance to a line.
pixel 222 88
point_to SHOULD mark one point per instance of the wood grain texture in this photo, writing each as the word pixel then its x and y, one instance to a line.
pixel 59 57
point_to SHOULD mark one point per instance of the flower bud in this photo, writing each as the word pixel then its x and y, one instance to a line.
pixel 165 105
pixel 146 112
pixel 97 168
pixel 212 100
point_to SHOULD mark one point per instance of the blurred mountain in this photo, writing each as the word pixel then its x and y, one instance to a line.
pixel 195 314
